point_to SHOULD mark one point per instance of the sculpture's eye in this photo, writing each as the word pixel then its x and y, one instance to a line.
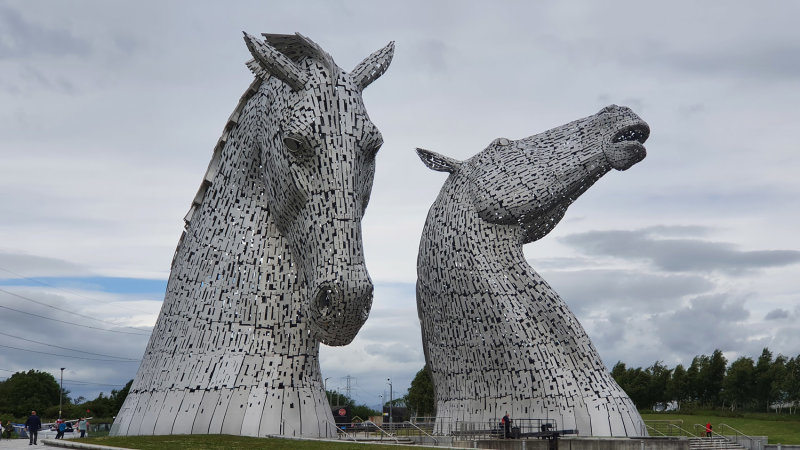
pixel 292 144
pixel 297 146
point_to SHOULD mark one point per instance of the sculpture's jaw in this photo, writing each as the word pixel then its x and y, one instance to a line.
pixel 626 146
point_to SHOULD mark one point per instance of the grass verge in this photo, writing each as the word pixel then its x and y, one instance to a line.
pixel 226 442
pixel 780 429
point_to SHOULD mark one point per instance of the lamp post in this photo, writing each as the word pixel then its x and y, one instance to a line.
pixel 61 393
pixel 389 380
pixel 326 389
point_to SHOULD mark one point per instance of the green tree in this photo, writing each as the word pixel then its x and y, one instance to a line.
pixel 678 386
pixel 778 372
pixel 712 372
pixel 737 387
pixel 23 392
pixel 693 377
pixel 337 400
pixel 635 383
pixel 658 383
pixel 118 397
pixel 791 382
pixel 420 398
pixel 762 379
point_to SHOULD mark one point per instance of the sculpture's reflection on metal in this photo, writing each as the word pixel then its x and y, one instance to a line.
pixel 271 261
pixel 497 338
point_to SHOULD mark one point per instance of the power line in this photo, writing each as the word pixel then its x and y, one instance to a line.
pixel 74 292
pixel 68 311
pixel 65 348
pixel 89 383
pixel 68 356
pixel 73 323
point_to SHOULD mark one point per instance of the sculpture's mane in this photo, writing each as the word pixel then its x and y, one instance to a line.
pixel 295 47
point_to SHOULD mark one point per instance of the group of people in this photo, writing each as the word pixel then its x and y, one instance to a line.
pixel 34 424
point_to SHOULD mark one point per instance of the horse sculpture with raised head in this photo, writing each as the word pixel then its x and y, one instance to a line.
pixel 497 338
pixel 270 263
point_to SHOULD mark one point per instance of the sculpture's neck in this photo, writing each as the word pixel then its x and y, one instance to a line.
pixel 455 236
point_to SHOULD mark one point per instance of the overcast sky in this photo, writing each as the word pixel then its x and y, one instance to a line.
pixel 109 112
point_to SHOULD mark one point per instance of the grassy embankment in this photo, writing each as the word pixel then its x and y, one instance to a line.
pixel 780 428
pixel 226 442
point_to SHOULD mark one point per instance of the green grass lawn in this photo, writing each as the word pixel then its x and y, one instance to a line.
pixel 225 442
pixel 783 429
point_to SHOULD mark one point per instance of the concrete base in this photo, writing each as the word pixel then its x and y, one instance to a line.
pixel 578 443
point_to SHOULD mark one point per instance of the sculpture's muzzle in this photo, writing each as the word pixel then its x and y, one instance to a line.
pixel 625 147
pixel 339 307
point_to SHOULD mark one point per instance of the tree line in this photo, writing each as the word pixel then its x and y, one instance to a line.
pixel 24 392
pixel 710 382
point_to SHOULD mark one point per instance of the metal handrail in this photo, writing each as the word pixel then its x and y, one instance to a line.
pixel 703 428
pixel 684 431
pixel 340 431
pixel 739 433
pixel 423 431
pixel 669 424
pixel 383 431
pixel 654 429
pixel 714 434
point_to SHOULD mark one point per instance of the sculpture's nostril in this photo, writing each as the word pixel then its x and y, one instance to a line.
pixel 324 298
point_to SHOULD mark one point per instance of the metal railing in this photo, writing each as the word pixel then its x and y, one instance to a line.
pixel 340 432
pixel 435 441
pixel 669 428
pixel 494 429
pixel 739 438
pixel 387 434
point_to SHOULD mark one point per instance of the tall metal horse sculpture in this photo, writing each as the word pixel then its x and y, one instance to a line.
pixel 497 338
pixel 271 261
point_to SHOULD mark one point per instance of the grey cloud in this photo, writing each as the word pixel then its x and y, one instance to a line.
pixel 587 290
pixel 708 322
pixel 25 265
pixel 678 255
pixel 431 55
pixel 752 60
pixel 776 314
pixel 396 352
pixel 21 37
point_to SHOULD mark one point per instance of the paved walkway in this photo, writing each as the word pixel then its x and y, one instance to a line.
pixel 20 444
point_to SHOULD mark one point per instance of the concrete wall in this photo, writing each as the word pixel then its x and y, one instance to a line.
pixel 581 444
pixel 781 447
pixel 750 443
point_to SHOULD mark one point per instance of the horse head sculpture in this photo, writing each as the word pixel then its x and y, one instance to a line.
pixel 271 262
pixel 318 165
pixel 496 337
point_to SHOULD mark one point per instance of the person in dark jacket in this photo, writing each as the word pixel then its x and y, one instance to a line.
pixel 506 421
pixel 32 425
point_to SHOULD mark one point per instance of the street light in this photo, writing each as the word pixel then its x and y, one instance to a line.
pixel 389 380
pixel 326 389
pixel 61 393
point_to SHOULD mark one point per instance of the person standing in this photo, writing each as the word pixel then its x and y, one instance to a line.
pixel 61 426
pixel 32 425
pixel 708 429
pixel 506 421
pixel 82 425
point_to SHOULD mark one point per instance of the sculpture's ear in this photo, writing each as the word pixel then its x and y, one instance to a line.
pixel 268 61
pixel 371 68
pixel 438 162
